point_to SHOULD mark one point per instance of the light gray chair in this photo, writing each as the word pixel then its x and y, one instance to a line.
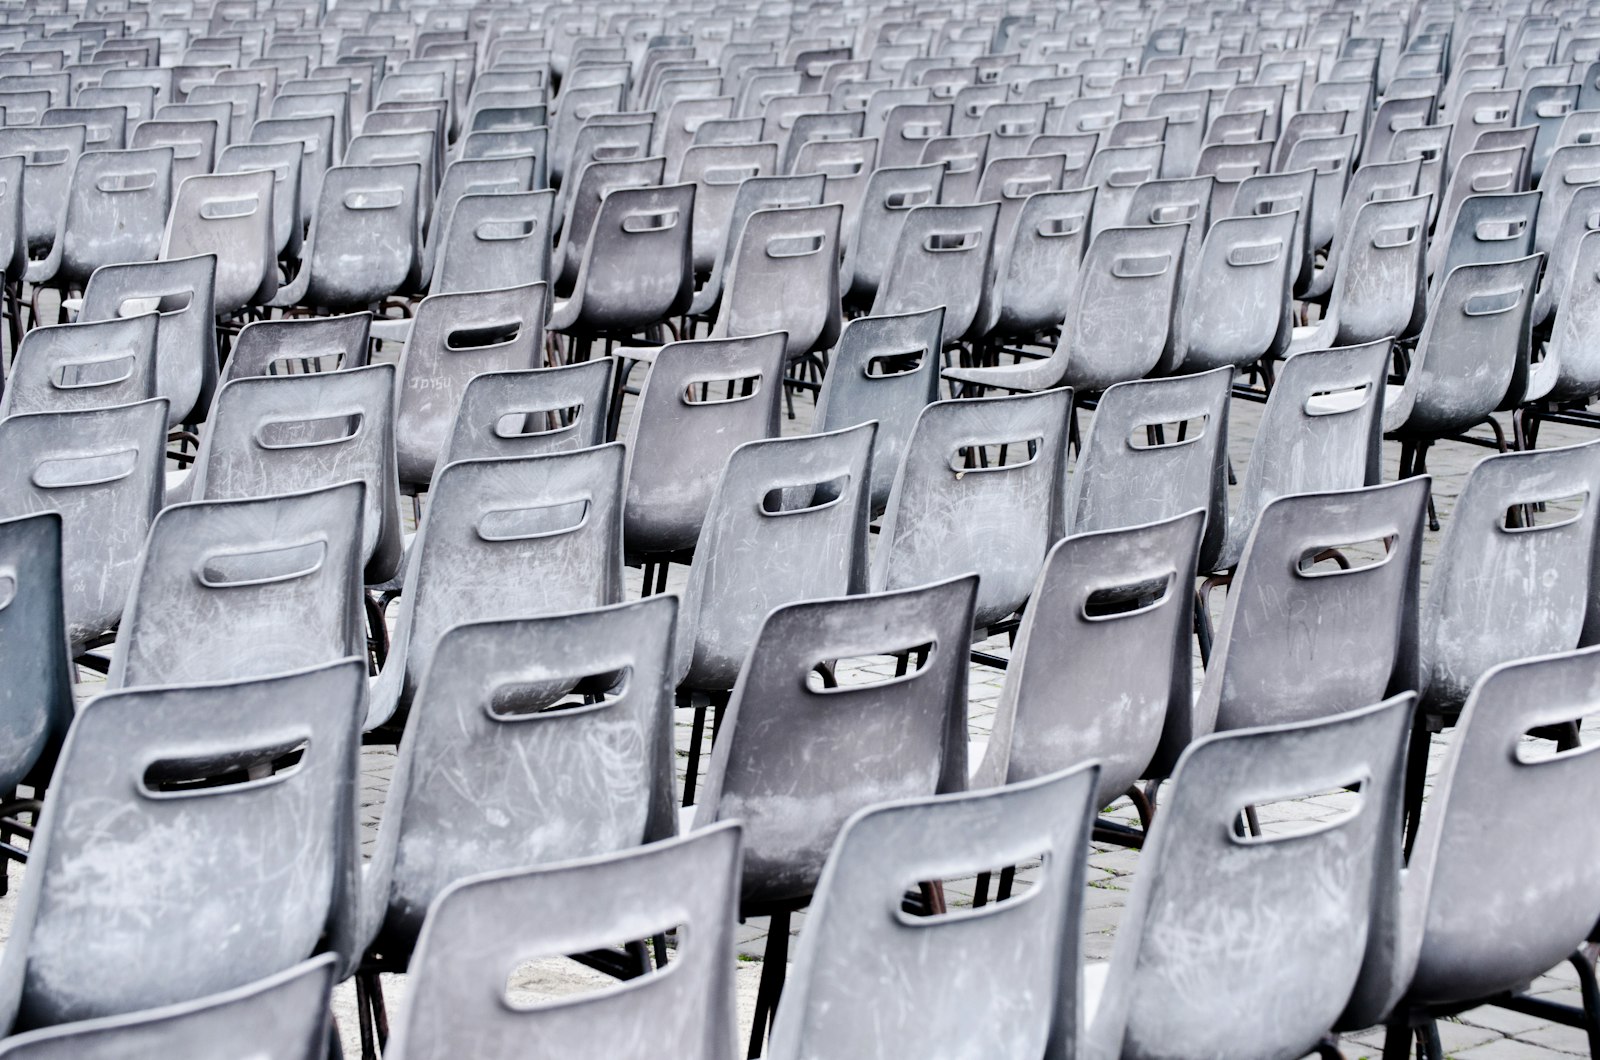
pixel 1278 986
pixel 755 193
pixel 892 192
pixel 365 238
pixel 481 929
pixel 783 276
pixel 505 539
pixel 1237 311
pixel 938 994
pixel 1037 272
pixel 942 258
pixel 228 216
pixel 951 511
pixel 531 412
pixel 514 758
pixel 49 155
pixel 1321 430
pixel 1489 903
pixel 1070 696
pixel 1380 286
pixel 499 240
pixel 1155 449
pixel 282 160
pixel 285 1016
pixel 102 469
pixel 218 580
pixel 799 754
pixel 71 367
pixel 883 369
pixel 281 434
pixel 1322 613
pixel 181 290
pixel 453 338
pixel 131 773
pixel 115 211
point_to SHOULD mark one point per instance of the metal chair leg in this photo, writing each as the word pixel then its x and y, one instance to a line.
pixel 773 971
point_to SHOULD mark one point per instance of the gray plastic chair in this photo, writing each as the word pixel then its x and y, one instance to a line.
pixel 717 170
pixel 364 240
pixel 963 158
pixel 1472 357
pixel 72 367
pixel 467 176
pixel 883 369
pixel 50 155
pixel 217 579
pixel 36 705
pixel 1487 228
pixel 193 145
pixel 503 767
pixel 703 399
pixel 1321 430
pixel 783 275
pixel 1117 172
pixel 126 778
pixel 1303 636
pixel 505 539
pixel 1489 903
pixel 942 258
pixel 636 271
pixel 1070 696
pixel 107 125
pixel 1570 371
pixel 1238 310
pixel 1534 602
pixel 938 994
pixel 788 522
pixel 1131 471
pixel 951 512
pixel 755 193
pixel 102 469
pixel 480 929
pixel 281 1017
pixel 282 434
pixel 316 137
pixel 531 412
pixel 453 338
pixel 180 290
pixel 115 212
pixel 1308 903
pixel 274 347
pixel 228 216
pixel 892 192
pixel 894 738
pixel 500 240
pixel 1379 288
pixel 1037 271
pixel 1185 201
pixel 1374 181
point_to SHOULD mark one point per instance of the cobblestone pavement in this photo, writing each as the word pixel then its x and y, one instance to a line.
pixel 1485 1034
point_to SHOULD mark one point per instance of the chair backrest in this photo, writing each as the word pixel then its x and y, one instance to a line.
pixel 1571 357
pixel 192 145
pixel 888 739
pixel 703 399
pixel 940 998
pixel 281 1017
pixel 102 469
pixel 636 270
pixel 1570 168
pixel 305 344
pixel 942 258
pixel 116 211
pixel 1321 430
pixel 315 136
pixel 228 216
pixel 285 433
pixel 107 125
pixel 1117 172
pixel 1474 350
pixel 1487 228
pixel 892 192
pixel 784 276
pixel 1103 600
pixel 128 775
pixel 1180 201
pixel 1492 898
pixel 1121 314
pixel 1156 448
pixel 481 929
pixel 364 235
pixel 963 158
pixel 70 367
pixel 49 157
pixel 180 290
pixel 717 170
pixel 511 539
pixel 1238 309
pixel 1310 901
pixel 499 240
pixel 514 758
pixel 1322 613
pixel 36 704
pixel 1037 269
pixel 788 522
pixel 1535 603
pixel 1381 285
pixel 453 338
pixel 217 578
pixel 952 512
pixel 531 412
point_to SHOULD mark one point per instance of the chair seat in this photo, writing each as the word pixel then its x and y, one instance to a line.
pixel 392 330
pixel 1095 975
pixel 1031 376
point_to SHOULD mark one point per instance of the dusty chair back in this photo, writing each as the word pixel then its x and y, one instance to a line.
pixel 126 779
